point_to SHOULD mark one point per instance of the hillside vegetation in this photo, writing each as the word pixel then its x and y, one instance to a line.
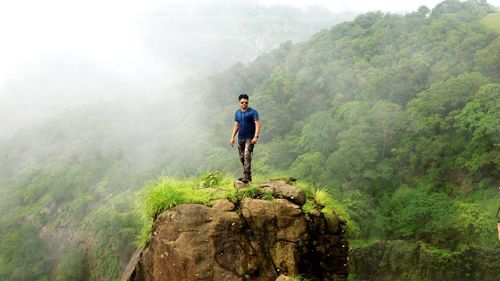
pixel 399 116
pixel 380 108
pixel 396 115
pixel 492 21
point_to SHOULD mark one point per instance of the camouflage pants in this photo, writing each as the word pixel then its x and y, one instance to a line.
pixel 245 148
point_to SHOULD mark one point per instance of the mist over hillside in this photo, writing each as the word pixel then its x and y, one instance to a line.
pixel 81 56
pixel 98 107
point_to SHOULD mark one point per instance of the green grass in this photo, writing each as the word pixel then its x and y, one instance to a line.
pixel 492 22
pixel 211 179
pixel 308 189
pixel 250 192
pixel 331 208
pixel 308 207
pixel 168 192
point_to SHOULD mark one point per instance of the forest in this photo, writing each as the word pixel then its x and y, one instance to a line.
pixel 396 115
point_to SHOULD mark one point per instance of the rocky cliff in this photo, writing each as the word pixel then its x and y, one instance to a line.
pixel 247 239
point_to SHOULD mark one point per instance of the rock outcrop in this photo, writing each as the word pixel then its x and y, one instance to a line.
pixel 253 239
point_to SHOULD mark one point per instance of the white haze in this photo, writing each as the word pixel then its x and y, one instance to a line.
pixel 393 6
pixel 56 55
pixel 60 54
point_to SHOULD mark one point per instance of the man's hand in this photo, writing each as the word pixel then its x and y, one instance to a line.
pixel 235 130
pixel 254 140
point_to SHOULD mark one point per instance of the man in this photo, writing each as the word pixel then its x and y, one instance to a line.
pixel 247 125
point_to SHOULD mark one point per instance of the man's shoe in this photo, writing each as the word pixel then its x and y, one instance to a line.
pixel 244 180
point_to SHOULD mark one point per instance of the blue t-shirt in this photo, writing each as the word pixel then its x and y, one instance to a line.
pixel 246 122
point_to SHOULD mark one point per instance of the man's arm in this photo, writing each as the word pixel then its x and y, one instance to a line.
pixel 235 130
pixel 257 131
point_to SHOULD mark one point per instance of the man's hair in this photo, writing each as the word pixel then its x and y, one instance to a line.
pixel 243 96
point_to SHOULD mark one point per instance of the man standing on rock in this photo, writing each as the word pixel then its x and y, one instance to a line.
pixel 247 125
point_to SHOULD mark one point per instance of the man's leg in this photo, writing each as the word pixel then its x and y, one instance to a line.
pixel 241 152
pixel 247 160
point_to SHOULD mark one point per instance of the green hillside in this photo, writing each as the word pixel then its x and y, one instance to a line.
pixel 396 115
pixel 492 21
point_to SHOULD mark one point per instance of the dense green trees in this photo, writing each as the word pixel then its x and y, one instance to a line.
pixel 479 122
pixel 398 115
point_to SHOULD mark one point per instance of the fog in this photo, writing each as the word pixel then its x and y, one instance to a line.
pixel 393 6
pixel 56 55
pixel 108 72
pixel 60 54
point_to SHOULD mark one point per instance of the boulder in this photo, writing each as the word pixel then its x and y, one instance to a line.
pixel 253 239
pixel 286 191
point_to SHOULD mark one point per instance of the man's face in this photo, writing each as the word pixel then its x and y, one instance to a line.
pixel 244 104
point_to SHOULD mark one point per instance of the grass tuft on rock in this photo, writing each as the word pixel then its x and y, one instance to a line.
pixel 167 192
pixel 331 208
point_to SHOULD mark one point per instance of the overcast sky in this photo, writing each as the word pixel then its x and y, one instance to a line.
pixel 106 31
pixel 395 6
pixel 38 39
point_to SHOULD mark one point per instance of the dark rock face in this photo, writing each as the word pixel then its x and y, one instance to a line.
pixel 260 241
